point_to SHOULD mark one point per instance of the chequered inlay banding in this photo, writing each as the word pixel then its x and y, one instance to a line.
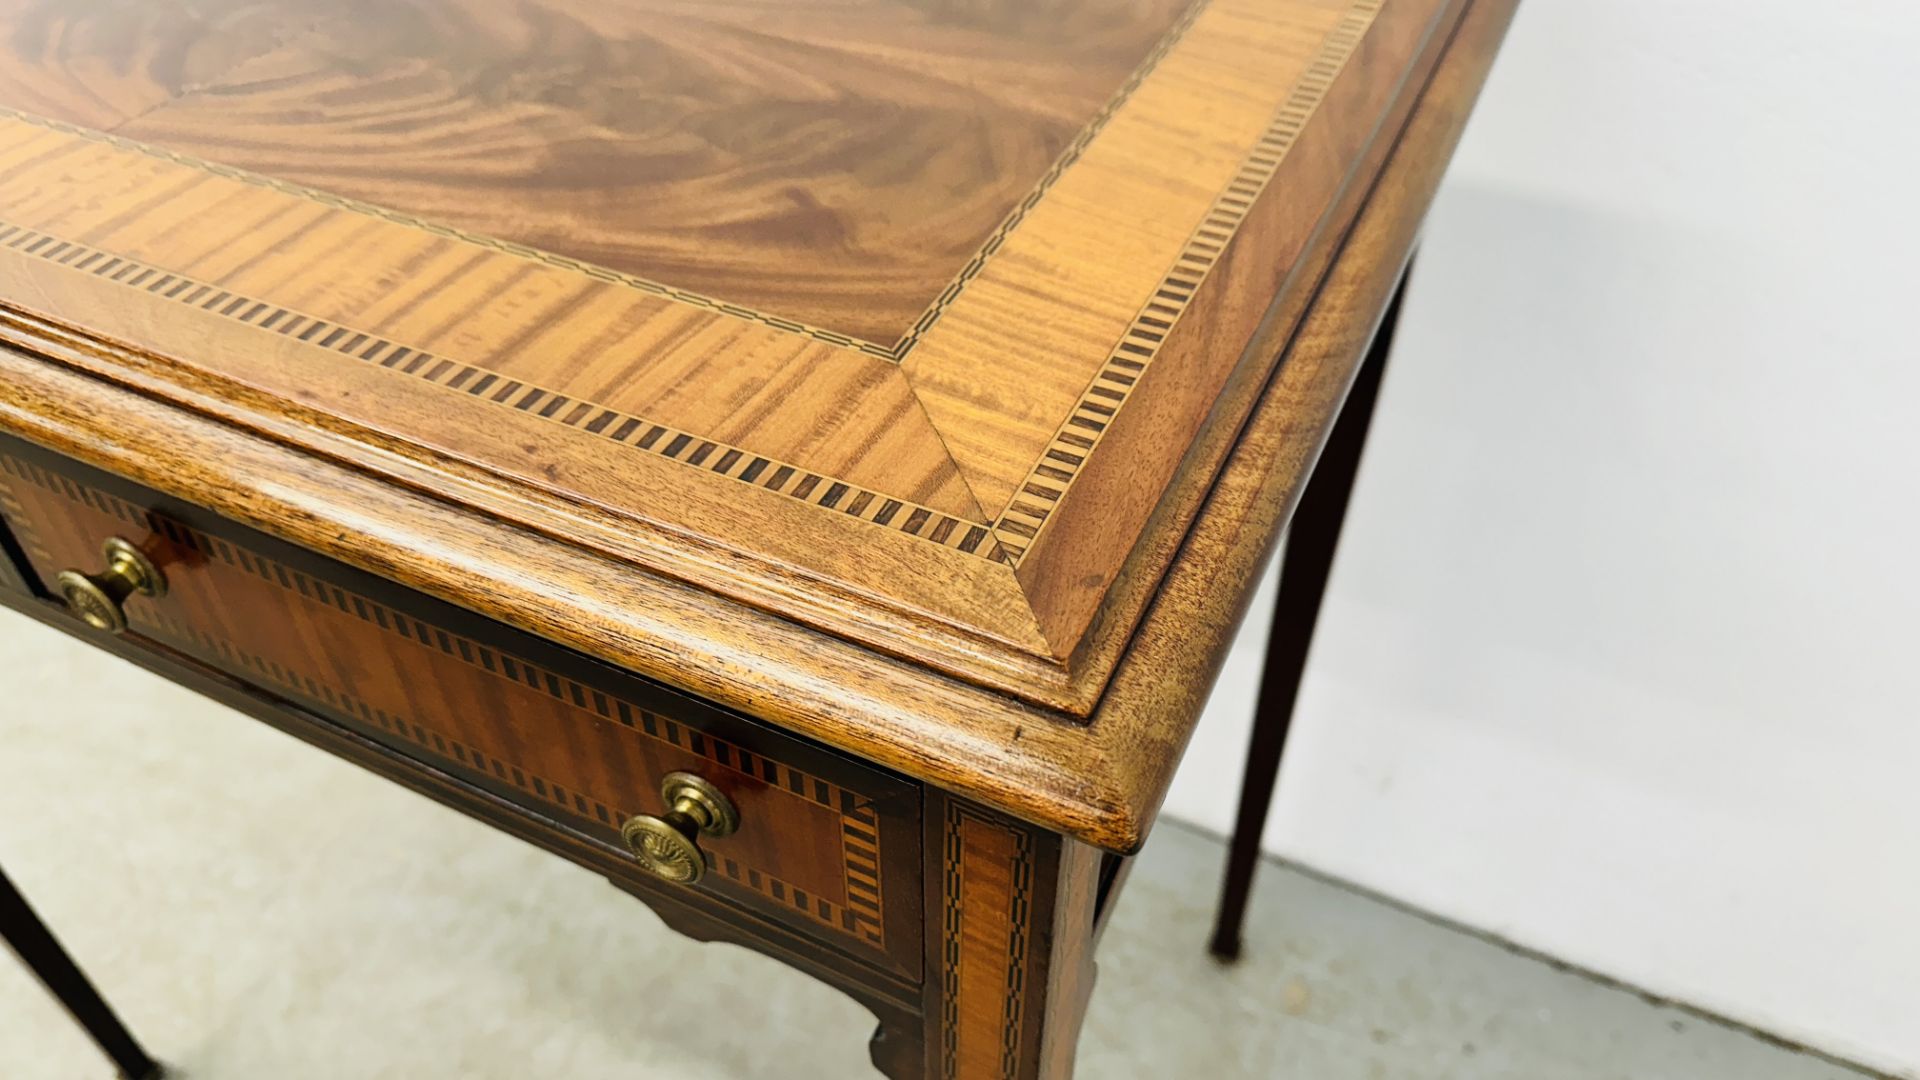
pixel 954 938
pixel 1060 165
pixel 641 434
pixel 507 247
pixel 1047 482
pixel 861 916
pixel 895 352
pixel 1007 539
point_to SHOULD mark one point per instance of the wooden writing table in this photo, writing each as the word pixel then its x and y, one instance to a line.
pixel 803 461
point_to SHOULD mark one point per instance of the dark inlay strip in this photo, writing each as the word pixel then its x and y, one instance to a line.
pixel 656 439
pixel 857 819
pixel 598 273
pixel 1020 522
pixel 1066 159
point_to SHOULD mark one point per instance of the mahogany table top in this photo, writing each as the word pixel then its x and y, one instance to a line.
pixel 925 326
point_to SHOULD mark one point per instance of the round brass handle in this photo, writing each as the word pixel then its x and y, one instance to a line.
pixel 98 599
pixel 668 847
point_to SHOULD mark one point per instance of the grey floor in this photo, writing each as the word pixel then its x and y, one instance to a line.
pixel 257 910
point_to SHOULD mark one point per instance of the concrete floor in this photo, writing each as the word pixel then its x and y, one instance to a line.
pixel 255 909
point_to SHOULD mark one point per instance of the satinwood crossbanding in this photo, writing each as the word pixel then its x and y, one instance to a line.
pixel 861 915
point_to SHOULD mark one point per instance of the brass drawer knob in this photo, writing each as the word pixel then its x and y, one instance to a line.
pixel 98 599
pixel 668 847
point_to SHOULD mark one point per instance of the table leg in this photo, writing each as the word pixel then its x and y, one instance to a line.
pixel 1009 926
pixel 36 946
pixel 1311 538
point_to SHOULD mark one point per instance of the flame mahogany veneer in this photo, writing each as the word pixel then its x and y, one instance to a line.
pixel 879 409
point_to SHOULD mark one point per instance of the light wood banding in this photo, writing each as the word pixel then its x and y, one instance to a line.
pixel 1018 687
pixel 813 853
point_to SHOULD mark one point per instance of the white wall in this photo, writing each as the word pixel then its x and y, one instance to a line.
pixel 1621 658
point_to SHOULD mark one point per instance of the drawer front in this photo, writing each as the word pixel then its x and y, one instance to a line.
pixel 825 844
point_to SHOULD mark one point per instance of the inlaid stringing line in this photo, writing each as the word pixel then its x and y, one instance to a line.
pixel 450 749
pixel 953 939
pixel 862 914
pixel 860 862
pixel 660 440
pixel 894 352
pixel 1019 907
pixel 1067 157
pixel 339 202
pixel 1006 541
pixel 1020 524
pixel 951 943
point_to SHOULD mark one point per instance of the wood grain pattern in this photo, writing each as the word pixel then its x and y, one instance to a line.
pixel 1001 373
pixel 1118 508
pixel 812 851
pixel 920 450
pixel 534 400
pixel 1146 717
pixel 658 514
pixel 1035 685
pixel 699 144
pixel 1094 765
pixel 986 940
pixel 1010 928
pixel 1030 506
pixel 102 64
pixel 894 1001
pixel 541 320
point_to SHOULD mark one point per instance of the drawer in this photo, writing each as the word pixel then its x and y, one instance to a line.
pixel 825 844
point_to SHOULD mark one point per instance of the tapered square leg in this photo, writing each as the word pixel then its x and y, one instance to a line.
pixel 1312 536
pixel 36 946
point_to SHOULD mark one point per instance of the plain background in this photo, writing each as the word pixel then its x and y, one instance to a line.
pixel 1620 657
